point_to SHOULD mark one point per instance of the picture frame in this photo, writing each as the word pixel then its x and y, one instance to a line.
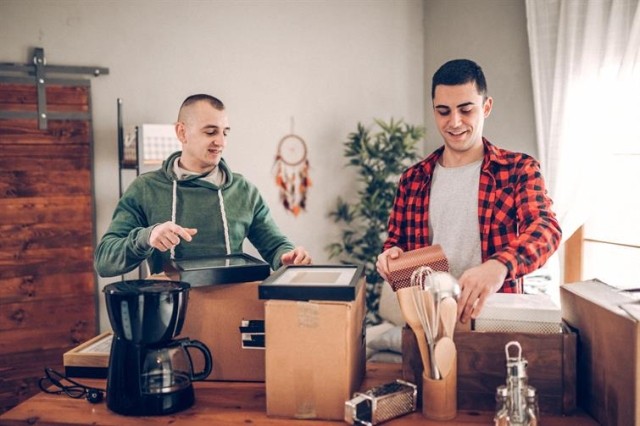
pixel 89 359
pixel 223 269
pixel 313 282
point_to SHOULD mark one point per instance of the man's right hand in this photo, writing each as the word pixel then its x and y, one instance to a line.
pixel 382 265
pixel 167 235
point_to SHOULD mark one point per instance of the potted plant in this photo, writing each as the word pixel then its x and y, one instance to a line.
pixel 380 156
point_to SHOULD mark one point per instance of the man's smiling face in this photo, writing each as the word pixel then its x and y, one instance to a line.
pixel 459 112
pixel 203 131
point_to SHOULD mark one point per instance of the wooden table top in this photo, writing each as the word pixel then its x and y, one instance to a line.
pixel 228 403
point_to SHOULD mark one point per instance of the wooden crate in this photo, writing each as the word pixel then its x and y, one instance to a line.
pixel 89 359
pixel 482 367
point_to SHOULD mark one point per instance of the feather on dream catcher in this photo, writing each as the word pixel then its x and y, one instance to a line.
pixel 291 169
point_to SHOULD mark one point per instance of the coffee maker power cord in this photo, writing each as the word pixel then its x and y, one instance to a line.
pixel 74 389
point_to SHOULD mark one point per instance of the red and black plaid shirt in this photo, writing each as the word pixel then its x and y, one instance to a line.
pixel 517 226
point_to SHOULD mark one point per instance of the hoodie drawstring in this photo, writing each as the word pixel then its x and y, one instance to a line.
pixel 224 222
pixel 173 212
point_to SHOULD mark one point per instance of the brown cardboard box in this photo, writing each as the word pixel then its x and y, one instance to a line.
pixel 214 316
pixel 482 367
pixel 608 350
pixel 315 356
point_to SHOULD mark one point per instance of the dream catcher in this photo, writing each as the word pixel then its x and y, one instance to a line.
pixel 291 170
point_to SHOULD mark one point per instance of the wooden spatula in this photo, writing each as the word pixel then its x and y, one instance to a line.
pixel 408 308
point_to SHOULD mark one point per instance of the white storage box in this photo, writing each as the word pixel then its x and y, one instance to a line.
pixel 520 313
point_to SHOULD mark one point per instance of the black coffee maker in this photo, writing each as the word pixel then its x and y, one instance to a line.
pixel 150 373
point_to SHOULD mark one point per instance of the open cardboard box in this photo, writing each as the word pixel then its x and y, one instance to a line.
pixel 607 321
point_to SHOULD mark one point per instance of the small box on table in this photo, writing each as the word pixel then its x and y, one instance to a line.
pixel 315 355
pixel 525 313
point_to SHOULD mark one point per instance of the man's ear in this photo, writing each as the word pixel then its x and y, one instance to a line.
pixel 486 108
pixel 181 132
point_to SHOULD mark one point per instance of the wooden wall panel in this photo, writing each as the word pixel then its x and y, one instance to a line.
pixel 28 288
pixel 20 238
pixel 25 133
pixel 51 209
pixel 60 98
pixel 48 300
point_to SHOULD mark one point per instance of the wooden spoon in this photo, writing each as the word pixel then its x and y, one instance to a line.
pixel 408 308
pixel 448 316
pixel 445 355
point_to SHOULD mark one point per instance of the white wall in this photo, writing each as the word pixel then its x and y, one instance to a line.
pixel 327 64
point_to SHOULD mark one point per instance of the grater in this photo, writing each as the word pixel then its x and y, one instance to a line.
pixel 381 403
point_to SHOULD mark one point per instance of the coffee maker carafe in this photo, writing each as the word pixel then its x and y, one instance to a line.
pixel 150 373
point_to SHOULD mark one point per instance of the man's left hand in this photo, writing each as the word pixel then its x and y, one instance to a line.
pixel 476 285
pixel 297 256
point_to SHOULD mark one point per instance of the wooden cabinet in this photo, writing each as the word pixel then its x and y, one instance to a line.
pixel 47 282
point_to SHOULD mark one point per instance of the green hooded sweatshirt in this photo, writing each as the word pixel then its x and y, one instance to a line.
pixel 155 197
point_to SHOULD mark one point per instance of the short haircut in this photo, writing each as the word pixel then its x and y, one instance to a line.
pixel 212 100
pixel 457 72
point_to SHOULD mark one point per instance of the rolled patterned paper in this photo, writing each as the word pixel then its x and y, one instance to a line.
pixel 400 269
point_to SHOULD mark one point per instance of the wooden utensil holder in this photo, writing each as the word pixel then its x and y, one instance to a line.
pixel 439 398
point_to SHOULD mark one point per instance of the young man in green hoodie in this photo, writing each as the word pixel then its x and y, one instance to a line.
pixel 193 206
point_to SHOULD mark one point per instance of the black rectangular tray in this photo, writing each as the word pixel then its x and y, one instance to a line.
pixel 313 282
pixel 225 269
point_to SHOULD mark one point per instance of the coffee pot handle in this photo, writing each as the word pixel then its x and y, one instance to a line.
pixel 208 359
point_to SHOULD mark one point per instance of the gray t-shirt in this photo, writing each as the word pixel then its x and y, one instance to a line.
pixel 215 176
pixel 453 215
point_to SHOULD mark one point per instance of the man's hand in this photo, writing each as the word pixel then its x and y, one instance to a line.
pixel 477 284
pixel 297 256
pixel 167 235
pixel 382 265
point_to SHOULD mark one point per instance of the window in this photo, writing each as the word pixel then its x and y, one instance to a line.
pixel 611 236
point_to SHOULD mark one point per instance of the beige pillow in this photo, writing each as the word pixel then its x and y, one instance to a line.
pixel 389 309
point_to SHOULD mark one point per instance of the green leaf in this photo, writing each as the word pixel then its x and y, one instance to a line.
pixel 380 154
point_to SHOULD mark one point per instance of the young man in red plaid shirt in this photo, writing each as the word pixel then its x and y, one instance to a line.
pixel 487 207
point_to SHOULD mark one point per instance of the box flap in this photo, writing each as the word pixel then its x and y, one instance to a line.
pixel 633 309
pixel 604 295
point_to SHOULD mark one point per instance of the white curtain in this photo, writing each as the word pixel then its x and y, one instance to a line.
pixel 585 60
